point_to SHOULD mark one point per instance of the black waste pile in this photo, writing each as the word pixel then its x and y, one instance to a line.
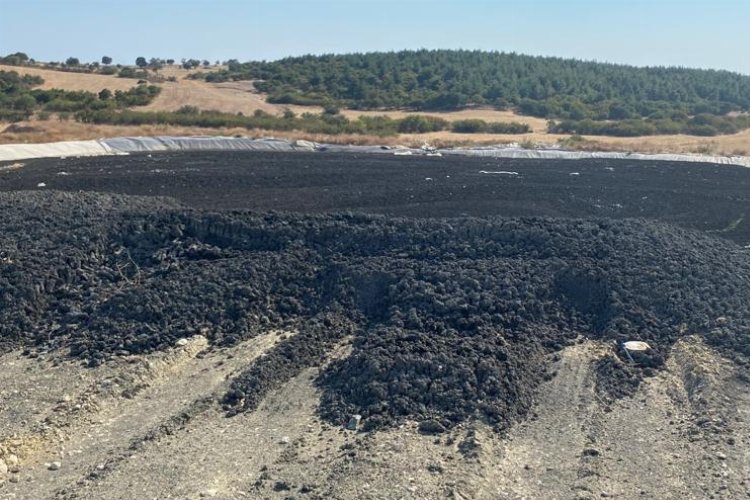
pixel 449 318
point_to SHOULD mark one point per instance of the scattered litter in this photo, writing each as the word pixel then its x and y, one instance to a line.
pixel 41 185
pixel 611 169
pixel 574 173
pixel 353 422
pixel 402 153
pixel 498 172
pixel 12 166
pixel 636 346
pixel 428 178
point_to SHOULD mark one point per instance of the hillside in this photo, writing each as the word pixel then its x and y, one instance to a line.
pixel 237 96
pixel 452 79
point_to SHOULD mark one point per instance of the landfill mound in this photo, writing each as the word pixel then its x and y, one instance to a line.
pixel 450 318
pixel 711 198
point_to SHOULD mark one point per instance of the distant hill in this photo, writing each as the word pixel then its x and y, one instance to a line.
pixel 547 87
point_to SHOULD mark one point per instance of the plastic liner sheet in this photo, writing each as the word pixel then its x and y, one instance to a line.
pixel 168 143
pixel 13 152
pixel 127 145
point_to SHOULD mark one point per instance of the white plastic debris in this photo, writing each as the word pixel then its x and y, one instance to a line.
pixel 636 346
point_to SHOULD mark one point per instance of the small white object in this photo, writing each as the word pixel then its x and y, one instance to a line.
pixel 41 185
pixel 181 343
pixel 575 173
pixel 636 346
pixel 502 172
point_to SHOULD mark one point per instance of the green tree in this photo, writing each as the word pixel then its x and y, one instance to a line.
pixel 141 62
pixel 155 64
pixel 106 60
pixel 105 95
pixel 72 61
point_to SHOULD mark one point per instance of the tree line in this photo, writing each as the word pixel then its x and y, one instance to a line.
pixel 547 87
pixel 323 123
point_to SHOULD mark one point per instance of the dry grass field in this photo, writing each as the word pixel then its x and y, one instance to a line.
pixel 233 97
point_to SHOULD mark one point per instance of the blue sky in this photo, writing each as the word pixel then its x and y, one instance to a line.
pixel 706 34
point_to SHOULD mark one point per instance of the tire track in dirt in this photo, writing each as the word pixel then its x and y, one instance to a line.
pixel 137 401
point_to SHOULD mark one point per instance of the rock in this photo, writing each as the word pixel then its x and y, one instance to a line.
pixel 431 427
pixel 54 466
pixel 14 479
pixel 182 342
pixel 3 467
pixel 353 422
pixel 721 456
pixel 209 493
pixel 284 440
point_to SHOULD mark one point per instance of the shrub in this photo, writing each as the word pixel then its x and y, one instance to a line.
pixel 421 124
pixel 469 126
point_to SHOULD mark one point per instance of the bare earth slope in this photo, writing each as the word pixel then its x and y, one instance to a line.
pixel 684 434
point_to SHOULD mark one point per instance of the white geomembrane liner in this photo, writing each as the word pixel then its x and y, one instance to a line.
pixel 126 145
pixel 13 152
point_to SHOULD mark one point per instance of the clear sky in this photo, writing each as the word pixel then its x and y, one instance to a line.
pixel 695 33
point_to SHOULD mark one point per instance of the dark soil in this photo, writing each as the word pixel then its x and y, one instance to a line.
pixel 693 195
pixel 452 318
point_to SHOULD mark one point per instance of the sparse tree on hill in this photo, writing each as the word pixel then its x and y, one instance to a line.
pixel 105 95
pixel 72 61
pixel 106 60
pixel 206 63
pixel 156 64
pixel 170 61
pixel 141 62
pixel 190 63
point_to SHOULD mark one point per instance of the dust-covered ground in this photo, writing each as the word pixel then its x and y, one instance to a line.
pixel 375 339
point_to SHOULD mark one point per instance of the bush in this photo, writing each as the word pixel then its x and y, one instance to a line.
pixel 469 126
pixel 420 124
pixel 476 126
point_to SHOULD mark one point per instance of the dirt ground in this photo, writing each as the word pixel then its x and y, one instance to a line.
pixel 233 97
pixel 148 427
